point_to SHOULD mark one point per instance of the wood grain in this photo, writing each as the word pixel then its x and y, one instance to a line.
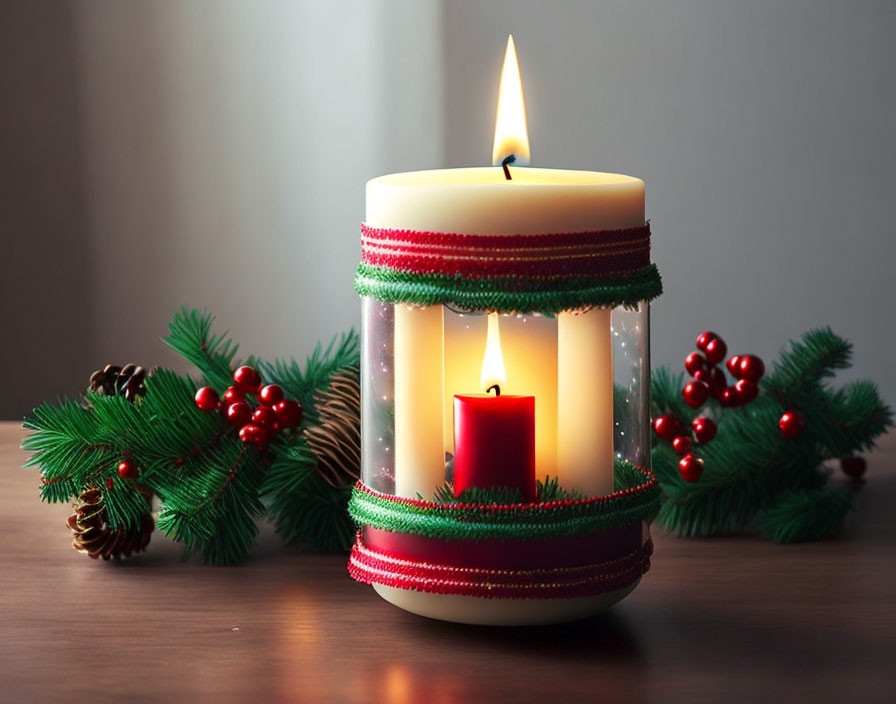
pixel 737 619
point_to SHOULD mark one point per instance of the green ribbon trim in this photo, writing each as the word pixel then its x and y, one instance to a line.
pixel 509 294
pixel 637 498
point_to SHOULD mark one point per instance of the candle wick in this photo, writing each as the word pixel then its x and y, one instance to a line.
pixel 496 388
pixel 504 164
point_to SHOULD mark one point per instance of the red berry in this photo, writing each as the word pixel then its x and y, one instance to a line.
pixel 681 444
pixel 695 393
pixel 233 395
pixel 251 434
pixel 267 434
pixel 750 367
pixel 694 362
pixel 248 379
pixel 238 414
pixel 289 413
pixel 704 429
pixel 257 435
pixel 715 379
pixel 127 470
pixel 792 424
pixel 732 365
pixel 705 375
pixel 206 399
pixel 270 394
pixel 109 483
pixel 716 350
pixel 704 338
pixel 853 466
pixel 264 417
pixel 745 391
pixel 690 467
pixel 667 427
pixel 729 398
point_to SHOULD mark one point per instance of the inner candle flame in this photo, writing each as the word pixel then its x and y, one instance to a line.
pixel 511 132
pixel 493 373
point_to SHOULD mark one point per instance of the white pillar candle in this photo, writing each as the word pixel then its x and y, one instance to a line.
pixel 585 402
pixel 481 201
pixel 419 389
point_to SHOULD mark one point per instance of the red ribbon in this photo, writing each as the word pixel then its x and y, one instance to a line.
pixel 571 551
pixel 375 566
pixel 594 253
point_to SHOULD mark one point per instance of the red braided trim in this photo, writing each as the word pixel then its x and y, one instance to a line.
pixel 372 567
pixel 567 254
pixel 489 242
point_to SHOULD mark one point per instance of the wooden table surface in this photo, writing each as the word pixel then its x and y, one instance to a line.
pixel 735 619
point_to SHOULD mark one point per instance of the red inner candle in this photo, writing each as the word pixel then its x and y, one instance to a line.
pixel 494 443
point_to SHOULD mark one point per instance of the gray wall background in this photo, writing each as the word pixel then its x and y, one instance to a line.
pixel 215 154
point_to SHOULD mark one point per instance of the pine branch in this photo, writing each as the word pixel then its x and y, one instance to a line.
pixel 172 432
pixel 547 489
pixel 343 351
pixel 745 467
pixel 209 483
pixel 65 442
pixel 189 334
pixel 854 416
pixel 812 359
pixel 326 525
pixel 57 490
pixel 125 504
pixel 304 507
pixel 474 495
pixel 806 515
pixel 78 448
pixel 214 509
pixel 750 469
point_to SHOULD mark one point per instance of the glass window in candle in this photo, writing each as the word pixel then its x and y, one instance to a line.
pixel 377 395
pixel 587 372
pixel 631 377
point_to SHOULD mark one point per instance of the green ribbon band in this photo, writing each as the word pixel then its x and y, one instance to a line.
pixel 477 522
pixel 509 294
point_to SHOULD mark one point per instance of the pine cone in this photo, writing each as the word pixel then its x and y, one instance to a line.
pixel 336 440
pixel 128 381
pixel 93 536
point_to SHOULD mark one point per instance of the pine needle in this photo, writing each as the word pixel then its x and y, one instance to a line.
pixel 547 489
pixel 798 516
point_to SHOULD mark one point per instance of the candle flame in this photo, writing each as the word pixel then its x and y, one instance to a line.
pixel 511 132
pixel 493 360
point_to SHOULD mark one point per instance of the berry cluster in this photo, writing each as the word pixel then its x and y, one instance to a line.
pixel 709 382
pixel 709 379
pixel 257 425
pixel 670 429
